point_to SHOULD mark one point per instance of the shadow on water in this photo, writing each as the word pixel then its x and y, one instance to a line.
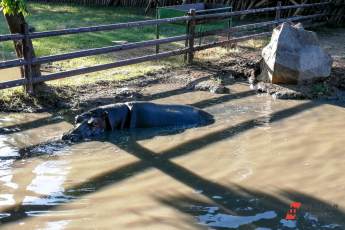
pixel 30 125
pixel 234 201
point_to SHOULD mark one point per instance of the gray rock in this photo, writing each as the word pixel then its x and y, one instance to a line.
pixel 127 92
pixel 294 55
pixel 288 95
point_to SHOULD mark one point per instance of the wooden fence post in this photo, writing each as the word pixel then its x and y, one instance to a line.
pixel 328 11
pixel 157 30
pixel 278 12
pixel 191 36
pixel 187 39
pixel 27 55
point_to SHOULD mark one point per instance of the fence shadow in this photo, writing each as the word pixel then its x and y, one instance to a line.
pixel 160 161
pixel 6 130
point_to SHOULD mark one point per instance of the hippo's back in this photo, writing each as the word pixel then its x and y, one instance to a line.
pixel 146 114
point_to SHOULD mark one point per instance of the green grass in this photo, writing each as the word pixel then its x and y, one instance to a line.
pixel 59 16
pixel 51 17
pixel 56 16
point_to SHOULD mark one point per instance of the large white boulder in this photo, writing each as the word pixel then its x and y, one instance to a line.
pixel 294 55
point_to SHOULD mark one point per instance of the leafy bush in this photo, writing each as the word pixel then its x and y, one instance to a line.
pixel 11 7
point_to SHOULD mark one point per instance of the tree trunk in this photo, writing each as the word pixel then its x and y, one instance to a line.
pixel 15 25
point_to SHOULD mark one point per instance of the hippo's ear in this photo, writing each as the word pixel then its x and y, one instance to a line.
pixel 77 119
pixel 91 121
pixel 133 121
pixel 82 117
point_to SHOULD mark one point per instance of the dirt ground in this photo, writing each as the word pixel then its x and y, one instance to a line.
pixel 231 67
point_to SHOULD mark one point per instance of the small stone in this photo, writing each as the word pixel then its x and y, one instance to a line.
pixel 211 86
pixel 219 89
pixel 288 95
pixel 127 92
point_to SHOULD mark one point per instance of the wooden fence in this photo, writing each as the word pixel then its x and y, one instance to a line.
pixel 123 3
pixel 236 4
pixel 191 21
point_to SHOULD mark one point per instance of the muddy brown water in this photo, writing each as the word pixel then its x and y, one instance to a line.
pixel 242 172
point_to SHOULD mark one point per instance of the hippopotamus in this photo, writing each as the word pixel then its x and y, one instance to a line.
pixel 132 115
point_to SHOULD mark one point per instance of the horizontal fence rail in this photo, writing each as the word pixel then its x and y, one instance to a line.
pixel 225 15
pixel 12 63
pixel 109 49
pixel 117 26
pixel 191 21
pixel 11 37
pixel 234 40
pixel 153 22
pixel 96 68
pixel 258 25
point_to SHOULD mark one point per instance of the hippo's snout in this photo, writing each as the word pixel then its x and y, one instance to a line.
pixel 71 137
pixel 82 130
pixel 86 129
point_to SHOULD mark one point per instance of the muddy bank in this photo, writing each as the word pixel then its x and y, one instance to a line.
pixel 204 76
pixel 317 85
pixel 214 76
pixel 331 88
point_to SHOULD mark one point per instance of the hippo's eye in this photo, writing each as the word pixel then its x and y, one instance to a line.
pixel 92 124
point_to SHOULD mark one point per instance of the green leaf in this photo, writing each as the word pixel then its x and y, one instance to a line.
pixel 11 7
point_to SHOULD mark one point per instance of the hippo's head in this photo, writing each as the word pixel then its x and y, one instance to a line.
pixel 87 128
pixel 95 122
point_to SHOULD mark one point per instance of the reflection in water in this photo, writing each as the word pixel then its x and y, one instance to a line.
pixel 50 176
pixel 46 185
pixel 49 179
pixel 6 175
pixel 241 171
pixel 229 221
pixel 32 183
pixel 6 199
pixel 6 150
pixel 56 225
